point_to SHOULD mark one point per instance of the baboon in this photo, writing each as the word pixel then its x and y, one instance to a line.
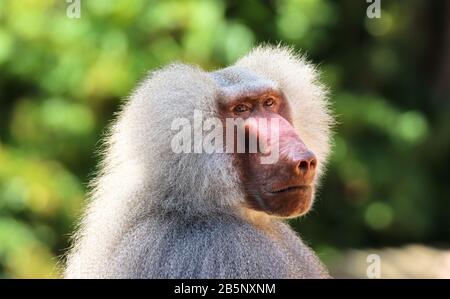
pixel 154 213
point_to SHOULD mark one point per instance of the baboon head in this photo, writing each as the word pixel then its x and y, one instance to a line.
pixel 278 175
pixel 275 94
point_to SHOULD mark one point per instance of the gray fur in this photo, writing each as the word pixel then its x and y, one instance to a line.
pixel 156 214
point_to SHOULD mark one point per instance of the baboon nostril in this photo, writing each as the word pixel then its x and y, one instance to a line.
pixel 303 166
pixel 313 164
pixel 307 165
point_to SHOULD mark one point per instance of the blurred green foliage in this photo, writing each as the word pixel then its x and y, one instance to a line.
pixel 61 79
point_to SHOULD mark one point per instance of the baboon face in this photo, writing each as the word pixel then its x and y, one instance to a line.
pixel 283 186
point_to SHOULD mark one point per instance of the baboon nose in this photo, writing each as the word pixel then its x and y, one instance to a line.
pixel 307 164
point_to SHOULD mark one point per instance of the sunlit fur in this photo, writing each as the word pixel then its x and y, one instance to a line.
pixel 156 214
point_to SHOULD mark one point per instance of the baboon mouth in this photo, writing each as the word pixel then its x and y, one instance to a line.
pixel 302 188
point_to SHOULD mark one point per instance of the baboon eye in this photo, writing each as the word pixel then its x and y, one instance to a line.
pixel 268 102
pixel 241 108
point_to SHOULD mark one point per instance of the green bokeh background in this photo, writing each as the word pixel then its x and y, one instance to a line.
pixel 62 79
